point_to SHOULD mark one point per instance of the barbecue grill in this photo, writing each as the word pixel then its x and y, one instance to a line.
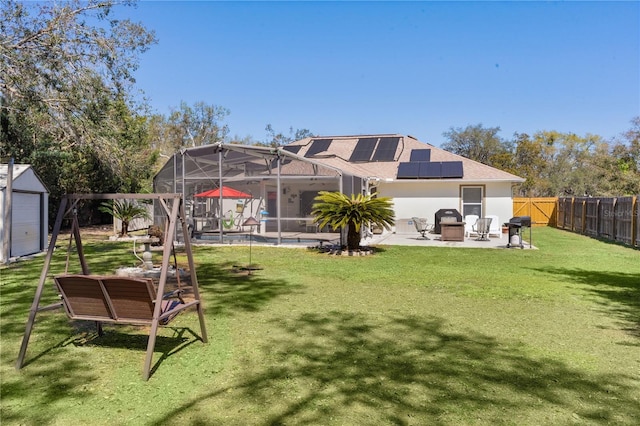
pixel 446 216
pixel 515 226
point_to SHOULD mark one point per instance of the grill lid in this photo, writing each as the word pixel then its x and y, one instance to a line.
pixel 520 220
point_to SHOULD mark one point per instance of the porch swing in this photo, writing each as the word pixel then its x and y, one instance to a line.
pixel 117 299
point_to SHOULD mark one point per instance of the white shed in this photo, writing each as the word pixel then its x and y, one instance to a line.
pixel 23 212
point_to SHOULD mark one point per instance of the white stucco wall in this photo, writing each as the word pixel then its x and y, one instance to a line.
pixel 424 199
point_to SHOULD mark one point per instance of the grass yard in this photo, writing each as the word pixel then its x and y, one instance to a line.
pixel 409 336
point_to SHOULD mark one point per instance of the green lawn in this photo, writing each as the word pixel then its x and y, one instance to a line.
pixel 411 335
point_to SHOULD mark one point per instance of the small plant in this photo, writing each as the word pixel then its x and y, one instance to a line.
pixel 339 210
pixel 125 211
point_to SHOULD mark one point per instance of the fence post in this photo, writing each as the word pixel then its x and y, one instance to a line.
pixel 634 221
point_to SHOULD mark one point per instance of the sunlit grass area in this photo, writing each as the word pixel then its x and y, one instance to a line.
pixel 410 335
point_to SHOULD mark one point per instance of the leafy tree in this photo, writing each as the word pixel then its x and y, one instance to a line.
pixel 339 211
pixel 125 211
pixel 65 78
pixel 279 139
pixel 197 125
pixel 478 143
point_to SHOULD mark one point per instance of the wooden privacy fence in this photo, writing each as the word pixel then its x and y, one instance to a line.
pixel 541 210
pixel 613 218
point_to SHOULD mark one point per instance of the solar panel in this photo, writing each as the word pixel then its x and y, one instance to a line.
pixel 408 170
pixel 420 155
pixel 294 149
pixel 318 146
pixel 452 169
pixel 386 150
pixel 430 170
pixel 364 149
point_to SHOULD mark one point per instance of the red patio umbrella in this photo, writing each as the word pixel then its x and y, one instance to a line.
pixel 227 192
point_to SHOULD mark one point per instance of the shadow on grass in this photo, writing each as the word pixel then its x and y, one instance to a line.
pixel 357 368
pixel 617 292
pixel 227 291
pixel 223 292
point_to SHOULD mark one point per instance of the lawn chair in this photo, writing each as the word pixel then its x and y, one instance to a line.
pixel 469 221
pixel 495 228
pixel 481 228
pixel 421 226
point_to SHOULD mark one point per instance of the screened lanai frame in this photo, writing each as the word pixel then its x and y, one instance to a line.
pixel 282 185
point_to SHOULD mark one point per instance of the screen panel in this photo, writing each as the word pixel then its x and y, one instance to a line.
pixel 386 150
pixel 363 150
pixel 420 155
pixel 409 170
pixel 318 146
pixel 452 169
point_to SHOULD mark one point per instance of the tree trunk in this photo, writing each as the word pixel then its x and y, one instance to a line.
pixel 353 237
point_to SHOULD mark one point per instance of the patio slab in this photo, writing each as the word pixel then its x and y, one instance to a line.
pixel 414 239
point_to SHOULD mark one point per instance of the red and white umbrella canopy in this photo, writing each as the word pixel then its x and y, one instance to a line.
pixel 227 192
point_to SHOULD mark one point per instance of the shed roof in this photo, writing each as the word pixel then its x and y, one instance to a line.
pixel 19 170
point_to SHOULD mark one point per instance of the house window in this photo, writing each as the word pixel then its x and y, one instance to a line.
pixel 472 198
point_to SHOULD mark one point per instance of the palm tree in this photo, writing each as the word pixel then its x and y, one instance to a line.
pixel 339 210
pixel 126 211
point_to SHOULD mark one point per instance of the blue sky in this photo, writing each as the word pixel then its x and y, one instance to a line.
pixel 417 68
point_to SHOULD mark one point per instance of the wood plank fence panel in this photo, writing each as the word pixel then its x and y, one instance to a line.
pixel 561 213
pixel 606 213
pixel 578 214
pixel 565 205
pixel 624 219
pixel 591 216
pixel 542 210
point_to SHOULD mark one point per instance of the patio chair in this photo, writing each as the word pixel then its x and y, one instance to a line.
pixel 421 226
pixel 495 228
pixel 469 221
pixel 481 228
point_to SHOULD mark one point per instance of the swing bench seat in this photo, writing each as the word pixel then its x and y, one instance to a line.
pixel 116 299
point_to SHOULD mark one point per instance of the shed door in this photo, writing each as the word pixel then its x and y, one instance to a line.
pixel 25 224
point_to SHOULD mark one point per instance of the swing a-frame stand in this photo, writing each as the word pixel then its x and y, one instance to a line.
pixel 117 300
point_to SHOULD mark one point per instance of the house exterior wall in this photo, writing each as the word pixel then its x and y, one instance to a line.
pixel 424 198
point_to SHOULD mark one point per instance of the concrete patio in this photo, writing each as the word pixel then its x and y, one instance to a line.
pixel 414 239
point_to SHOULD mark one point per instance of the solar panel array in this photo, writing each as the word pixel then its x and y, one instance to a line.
pixel 318 146
pixel 375 149
pixel 420 167
pixel 386 150
pixel 363 150
pixel 420 155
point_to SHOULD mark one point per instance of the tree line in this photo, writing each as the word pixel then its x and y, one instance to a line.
pixel 555 163
pixel 70 108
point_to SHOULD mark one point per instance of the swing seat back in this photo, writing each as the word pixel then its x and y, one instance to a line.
pixel 114 299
